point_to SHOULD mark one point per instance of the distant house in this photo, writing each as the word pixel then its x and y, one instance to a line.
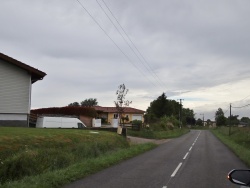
pixel 109 113
pixel 243 124
pixel 16 79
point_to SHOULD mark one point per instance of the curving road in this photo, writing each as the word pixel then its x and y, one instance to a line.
pixel 197 159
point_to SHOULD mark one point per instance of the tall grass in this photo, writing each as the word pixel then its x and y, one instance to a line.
pixel 26 152
pixel 163 134
pixel 238 141
pixel 81 169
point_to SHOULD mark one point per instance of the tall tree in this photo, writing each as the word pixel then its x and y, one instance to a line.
pixel 199 122
pixel 159 106
pixel 164 107
pixel 89 102
pixel 219 117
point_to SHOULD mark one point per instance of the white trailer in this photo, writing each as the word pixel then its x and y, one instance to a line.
pixel 59 122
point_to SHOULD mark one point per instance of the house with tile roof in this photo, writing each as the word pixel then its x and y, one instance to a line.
pixel 16 79
pixel 109 113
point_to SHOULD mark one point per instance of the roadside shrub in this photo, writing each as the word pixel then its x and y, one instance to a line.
pixel 164 124
pixel 137 122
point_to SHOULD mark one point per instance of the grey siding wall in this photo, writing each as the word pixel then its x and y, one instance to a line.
pixel 13 123
pixel 15 88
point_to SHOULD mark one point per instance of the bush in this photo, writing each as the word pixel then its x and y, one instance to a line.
pixel 137 122
pixel 164 124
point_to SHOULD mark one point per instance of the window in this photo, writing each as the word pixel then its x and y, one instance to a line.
pixel 80 125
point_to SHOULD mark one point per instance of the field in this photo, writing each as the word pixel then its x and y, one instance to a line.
pixel 238 141
pixel 32 157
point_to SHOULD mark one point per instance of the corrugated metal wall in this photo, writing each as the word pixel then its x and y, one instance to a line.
pixel 15 88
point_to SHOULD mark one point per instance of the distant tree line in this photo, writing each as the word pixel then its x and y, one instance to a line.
pixel 221 120
pixel 86 103
pixel 163 107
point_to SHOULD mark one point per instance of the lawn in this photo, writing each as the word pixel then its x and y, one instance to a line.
pixel 32 157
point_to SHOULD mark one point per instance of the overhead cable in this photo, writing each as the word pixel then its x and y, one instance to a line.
pixel 115 43
pixel 241 106
pixel 142 59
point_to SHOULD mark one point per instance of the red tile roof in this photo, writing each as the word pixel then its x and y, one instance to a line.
pixel 114 110
pixel 35 73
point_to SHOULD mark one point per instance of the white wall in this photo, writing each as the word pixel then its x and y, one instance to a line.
pixel 15 88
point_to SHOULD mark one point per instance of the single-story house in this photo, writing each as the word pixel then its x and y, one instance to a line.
pixel 109 113
pixel 16 79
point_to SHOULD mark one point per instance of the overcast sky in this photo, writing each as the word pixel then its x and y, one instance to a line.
pixel 198 51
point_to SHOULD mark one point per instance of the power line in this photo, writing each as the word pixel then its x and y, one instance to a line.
pixel 227 110
pixel 114 42
pixel 144 62
pixel 244 98
pixel 241 106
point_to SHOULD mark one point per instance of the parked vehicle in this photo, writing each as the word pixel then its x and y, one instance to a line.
pixel 59 122
pixel 240 177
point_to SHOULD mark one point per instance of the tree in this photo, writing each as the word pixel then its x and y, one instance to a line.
pixel 89 102
pixel 190 120
pixel 209 122
pixel 121 103
pixel 188 116
pixel 162 107
pixel 219 117
pixel 245 120
pixel 199 122
pixel 159 106
pixel 74 104
pixel 86 103
pixel 234 120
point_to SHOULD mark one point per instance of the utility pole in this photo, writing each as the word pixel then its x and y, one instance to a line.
pixel 230 120
pixel 203 120
pixel 180 114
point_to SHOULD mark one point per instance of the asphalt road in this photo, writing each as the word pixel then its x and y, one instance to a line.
pixel 197 159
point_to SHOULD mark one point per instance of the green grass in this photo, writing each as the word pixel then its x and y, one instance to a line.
pixel 53 157
pixel 145 133
pixel 79 170
pixel 238 141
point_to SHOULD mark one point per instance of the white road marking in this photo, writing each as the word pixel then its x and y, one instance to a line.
pixel 179 166
pixel 185 156
pixel 190 148
pixel 176 170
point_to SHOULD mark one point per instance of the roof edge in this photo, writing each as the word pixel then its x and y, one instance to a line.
pixel 35 73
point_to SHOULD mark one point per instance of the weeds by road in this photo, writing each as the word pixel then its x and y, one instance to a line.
pixel 238 141
pixel 54 157
pixel 164 134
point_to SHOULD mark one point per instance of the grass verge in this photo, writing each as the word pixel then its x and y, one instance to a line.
pixel 238 141
pixel 145 133
pixel 79 170
pixel 53 157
